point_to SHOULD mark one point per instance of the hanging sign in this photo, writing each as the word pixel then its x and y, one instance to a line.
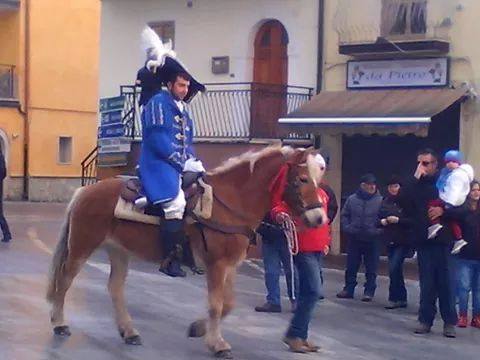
pixel 368 74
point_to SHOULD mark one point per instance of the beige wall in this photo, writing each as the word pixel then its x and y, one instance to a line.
pixel 209 28
pixel 64 70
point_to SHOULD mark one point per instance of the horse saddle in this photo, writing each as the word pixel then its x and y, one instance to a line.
pixel 132 204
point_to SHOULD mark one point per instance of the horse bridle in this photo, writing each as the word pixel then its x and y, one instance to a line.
pixel 235 229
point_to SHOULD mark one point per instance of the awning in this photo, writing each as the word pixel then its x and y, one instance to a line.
pixel 382 112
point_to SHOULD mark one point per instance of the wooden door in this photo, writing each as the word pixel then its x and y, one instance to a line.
pixel 270 77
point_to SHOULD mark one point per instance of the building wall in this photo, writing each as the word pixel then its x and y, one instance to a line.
pixel 11 120
pixel 465 67
pixel 464 56
pixel 209 28
pixel 63 89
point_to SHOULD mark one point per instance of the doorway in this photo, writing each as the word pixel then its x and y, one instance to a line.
pixel 270 78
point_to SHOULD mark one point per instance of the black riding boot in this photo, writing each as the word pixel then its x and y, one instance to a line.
pixel 172 237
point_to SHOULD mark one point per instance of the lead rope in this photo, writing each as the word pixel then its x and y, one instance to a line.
pixel 291 235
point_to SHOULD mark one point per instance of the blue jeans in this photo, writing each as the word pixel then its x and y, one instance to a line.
pixel 396 258
pixel 275 255
pixel 369 252
pixel 436 275
pixel 468 279
pixel 309 266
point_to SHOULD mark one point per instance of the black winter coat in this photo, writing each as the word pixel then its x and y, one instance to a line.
pixel 3 167
pixel 359 216
pixel 394 234
pixel 469 221
pixel 151 84
pixel 332 206
pixel 270 231
pixel 413 199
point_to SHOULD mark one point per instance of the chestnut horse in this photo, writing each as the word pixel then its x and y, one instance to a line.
pixel 242 196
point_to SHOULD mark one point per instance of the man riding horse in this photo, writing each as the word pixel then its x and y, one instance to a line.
pixel 167 152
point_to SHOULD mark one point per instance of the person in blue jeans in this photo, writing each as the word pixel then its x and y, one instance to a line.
pixel 313 244
pixel 276 254
pixel 395 226
pixel 359 219
pixel 468 260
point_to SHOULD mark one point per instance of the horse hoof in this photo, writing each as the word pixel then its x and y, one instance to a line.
pixel 197 329
pixel 224 354
pixel 122 333
pixel 62 330
pixel 133 340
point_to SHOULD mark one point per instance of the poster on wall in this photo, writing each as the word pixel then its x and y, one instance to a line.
pixel 369 74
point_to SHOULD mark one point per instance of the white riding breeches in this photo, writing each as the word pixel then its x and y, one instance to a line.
pixel 175 208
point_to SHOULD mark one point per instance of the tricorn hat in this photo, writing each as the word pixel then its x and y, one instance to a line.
pixel 163 62
pixel 173 66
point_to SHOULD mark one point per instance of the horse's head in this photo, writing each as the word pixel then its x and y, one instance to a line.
pixel 305 171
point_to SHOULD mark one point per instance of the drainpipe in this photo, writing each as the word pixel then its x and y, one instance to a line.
pixel 23 108
pixel 321 25
pixel 26 124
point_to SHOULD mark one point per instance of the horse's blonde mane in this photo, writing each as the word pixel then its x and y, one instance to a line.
pixel 250 157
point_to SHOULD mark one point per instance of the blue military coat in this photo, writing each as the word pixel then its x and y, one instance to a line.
pixel 167 144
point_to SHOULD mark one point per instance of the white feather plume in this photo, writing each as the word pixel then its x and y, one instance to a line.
pixel 155 49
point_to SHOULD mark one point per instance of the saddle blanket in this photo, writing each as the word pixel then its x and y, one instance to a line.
pixel 127 210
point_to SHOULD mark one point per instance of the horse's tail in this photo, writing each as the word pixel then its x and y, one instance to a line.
pixel 61 252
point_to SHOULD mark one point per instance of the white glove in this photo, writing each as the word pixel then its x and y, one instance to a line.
pixel 194 165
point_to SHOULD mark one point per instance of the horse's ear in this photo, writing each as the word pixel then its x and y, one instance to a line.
pixel 298 156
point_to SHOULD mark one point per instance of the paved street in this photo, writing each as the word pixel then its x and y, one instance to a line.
pixel 163 307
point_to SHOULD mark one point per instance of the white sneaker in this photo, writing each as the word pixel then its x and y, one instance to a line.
pixel 433 230
pixel 458 245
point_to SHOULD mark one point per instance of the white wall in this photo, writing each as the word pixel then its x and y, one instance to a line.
pixel 209 28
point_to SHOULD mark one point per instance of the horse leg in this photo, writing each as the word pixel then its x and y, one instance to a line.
pixel 199 327
pixel 71 269
pixel 228 293
pixel 116 287
pixel 216 275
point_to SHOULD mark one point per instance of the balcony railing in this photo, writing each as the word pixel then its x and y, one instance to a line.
pixel 366 21
pixel 7 82
pixel 229 110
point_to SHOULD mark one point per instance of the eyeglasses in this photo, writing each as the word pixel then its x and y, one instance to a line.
pixel 425 163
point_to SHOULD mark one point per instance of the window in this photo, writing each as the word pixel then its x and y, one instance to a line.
pixel 404 18
pixel 166 31
pixel 7 81
pixel 65 149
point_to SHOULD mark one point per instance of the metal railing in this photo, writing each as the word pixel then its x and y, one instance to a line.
pixel 131 117
pixel 225 110
pixel 7 82
pixel 89 168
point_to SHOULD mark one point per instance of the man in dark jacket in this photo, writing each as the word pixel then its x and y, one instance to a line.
pixel 7 236
pixel 434 260
pixel 359 219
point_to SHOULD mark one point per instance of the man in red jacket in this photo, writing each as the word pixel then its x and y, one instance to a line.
pixel 312 244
